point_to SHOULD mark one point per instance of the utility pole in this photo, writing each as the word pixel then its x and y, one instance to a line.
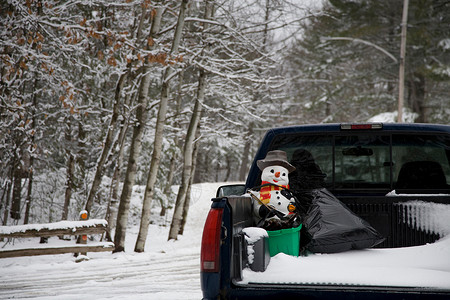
pixel 401 75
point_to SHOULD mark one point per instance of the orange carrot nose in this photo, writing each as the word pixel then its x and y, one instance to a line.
pixel 277 174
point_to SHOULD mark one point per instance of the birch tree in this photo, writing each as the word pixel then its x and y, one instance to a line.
pixel 159 131
pixel 187 201
pixel 109 140
pixel 111 211
pixel 188 149
pixel 174 150
pixel 136 142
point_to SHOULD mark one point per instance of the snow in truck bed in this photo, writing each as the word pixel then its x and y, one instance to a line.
pixel 421 266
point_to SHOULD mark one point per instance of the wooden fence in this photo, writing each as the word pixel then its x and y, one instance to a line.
pixel 79 228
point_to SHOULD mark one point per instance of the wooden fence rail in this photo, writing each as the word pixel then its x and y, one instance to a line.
pixel 87 227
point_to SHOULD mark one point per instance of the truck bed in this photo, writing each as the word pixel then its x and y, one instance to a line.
pixel 413 267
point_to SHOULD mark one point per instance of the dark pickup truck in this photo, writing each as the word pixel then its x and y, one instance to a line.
pixel 377 170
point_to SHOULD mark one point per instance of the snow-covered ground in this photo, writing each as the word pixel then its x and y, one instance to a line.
pixel 170 269
pixel 423 266
pixel 166 270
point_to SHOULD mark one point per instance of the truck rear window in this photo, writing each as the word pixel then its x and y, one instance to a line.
pixel 380 161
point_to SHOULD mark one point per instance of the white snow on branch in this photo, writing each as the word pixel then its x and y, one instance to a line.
pixel 363 42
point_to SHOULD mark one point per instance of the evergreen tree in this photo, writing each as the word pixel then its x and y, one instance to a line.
pixel 350 54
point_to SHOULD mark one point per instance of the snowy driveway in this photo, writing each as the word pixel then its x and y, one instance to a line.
pixel 167 269
pixel 105 276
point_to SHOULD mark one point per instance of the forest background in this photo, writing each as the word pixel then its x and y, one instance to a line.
pixel 100 96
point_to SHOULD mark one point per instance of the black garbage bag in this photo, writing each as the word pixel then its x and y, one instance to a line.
pixel 307 174
pixel 332 227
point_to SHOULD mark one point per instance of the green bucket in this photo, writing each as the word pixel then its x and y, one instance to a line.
pixel 285 241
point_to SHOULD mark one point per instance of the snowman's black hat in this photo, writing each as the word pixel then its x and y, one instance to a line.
pixel 275 158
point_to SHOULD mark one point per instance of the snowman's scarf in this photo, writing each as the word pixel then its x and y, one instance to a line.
pixel 264 193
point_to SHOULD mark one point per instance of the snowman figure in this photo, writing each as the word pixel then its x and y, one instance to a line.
pixel 275 170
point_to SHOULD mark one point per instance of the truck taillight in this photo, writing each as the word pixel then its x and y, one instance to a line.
pixel 361 126
pixel 210 250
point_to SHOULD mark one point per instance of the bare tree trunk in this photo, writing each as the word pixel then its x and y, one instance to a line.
pixel 401 76
pixel 245 154
pixel 80 159
pixel 69 185
pixel 173 159
pixel 8 197
pixel 109 139
pixel 187 201
pixel 28 199
pixel 7 193
pixel 111 213
pixel 70 171
pixel 112 210
pixel 416 97
pixel 159 130
pixel 229 166
pixel 178 213
pixel 135 150
pixel 30 168
pixel 4 200
pixel 135 147
pixel 17 189
pixel 169 181
pixel 266 26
